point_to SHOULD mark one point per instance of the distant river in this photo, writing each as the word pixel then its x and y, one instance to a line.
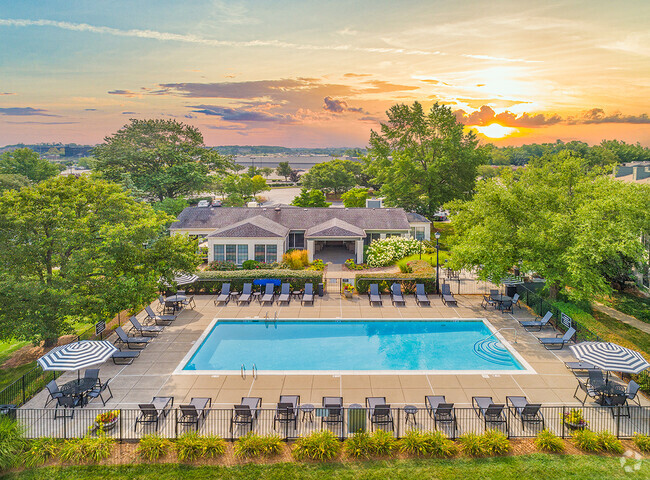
pixel 296 161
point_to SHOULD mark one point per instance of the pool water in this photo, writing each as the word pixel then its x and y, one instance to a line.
pixel 351 346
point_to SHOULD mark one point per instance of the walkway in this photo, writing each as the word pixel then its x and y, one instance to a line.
pixel 622 317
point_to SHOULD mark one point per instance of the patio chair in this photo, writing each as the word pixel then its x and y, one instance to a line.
pixel 98 391
pixel 441 411
pixel 285 293
pixel 334 411
pixel 487 302
pixel 151 413
pixel 445 293
pixel 246 412
pixel 396 294
pixel 494 292
pixel 129 341
pixel 420 295
pixel 188 302
pixel 246 294
pixel 224 296
pixel 193 412
pixel 558 341
pixel 506 306
pixel 269 294
pixel 53 392
pixel 589 391
pixel 125 358
pixel 163 306
pixel 373 294
pixel 617 402
pixel 159 319
pixel 286 411
pixel 515 300
pixel 67 402
pixel 538 323
pixel 379 412
pixel 528 412
pixel 308 294
pixel 151 330
pixel 491 412
pixel 93 374
pixel 631 393
pixel 596 378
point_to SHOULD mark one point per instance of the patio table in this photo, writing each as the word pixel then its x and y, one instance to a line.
pixel 175 301
pixel 499 298
pixel 77 388
pixel 610 389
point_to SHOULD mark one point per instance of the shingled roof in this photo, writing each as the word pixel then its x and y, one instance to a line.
pixel 334 228
pixel 258 226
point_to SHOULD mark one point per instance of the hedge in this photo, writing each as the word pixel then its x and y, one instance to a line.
pixel 385 280
pixel 210 282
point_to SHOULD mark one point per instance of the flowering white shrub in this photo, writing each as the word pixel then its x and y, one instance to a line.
pixel 387 251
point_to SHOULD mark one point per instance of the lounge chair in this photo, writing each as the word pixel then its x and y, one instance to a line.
pixel 539 322
pixel 334 411
pixel 285 293
pixel 396 294
pixel 193 412
pixel 125 358
pixel 53 392
pixel 269 294
pixel 441 411
pixel 159 319
pixel 246 294
pixel 445 293
pixel 129 341
pixel 246 412
pixel 224 296
pixel 420 295
pixel 379 412
pixel 558 341
pixel 151 413
pixel 491 412
pixel 528 412
pixel 515 300
pixel 146 330
pixel 286 411
pixel 632 391
pixel 373 294
pixel 308 294
pixel 98 391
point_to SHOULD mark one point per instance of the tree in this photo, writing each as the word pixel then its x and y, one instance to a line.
pixel 253 171
pixel 294 176
pixel 241 188
pixel 171 206
pixel 258 184
pixel 355 198
pixel 13 182
pixel 423 160
pixel 164 158
pixel 26 162
pixel 310 198
pixel 265 171
pixel 562 219
pixel 283 170
pixel 335 176
pixel 80 250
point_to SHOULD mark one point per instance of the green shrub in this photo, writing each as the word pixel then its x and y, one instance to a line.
pixel 254 445
pixel 296 259
pixel 547 441
pixel 40 450
pixel 219 265
pixel 323 445
pixel 413 443
pixel 609 442
pixel 210 282
pixel 587 440
pixel 385 280
pixel 152 447
pixel 439 445
pixel 191 446
pixel 213 446
pixel 86 449
pixel 495 442
pixel 12 442
pixel 472 444
pixel 387 251
pixel 383 443
pixel 360 445
pixel 317 265
pixel 642 442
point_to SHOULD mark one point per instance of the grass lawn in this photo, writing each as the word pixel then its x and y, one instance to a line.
pixel 427 257
pixel 638 307
pixel 529 467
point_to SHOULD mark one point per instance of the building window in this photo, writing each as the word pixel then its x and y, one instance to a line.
pixel 271 253
pixel 371 237
pixel 297 240
pixel 417 233
pixel 219 255
pixel 231 253
pixel 242 254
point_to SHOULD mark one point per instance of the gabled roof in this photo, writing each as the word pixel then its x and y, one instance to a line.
pixel 334 228
pixel 416 217
pixel 257 226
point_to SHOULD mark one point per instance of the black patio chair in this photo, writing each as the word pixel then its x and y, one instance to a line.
pixel 128 341
pixel 506 306
pixel 188 302
pixel 286 411
pixel 379 412
pixel 144 330
pixel 126 357
pixel 538 323
pixel 93 374
pixel 159 319
pixel 618 405
pixel 193 412
pixel 53 392
pixel 559 340
pixel 447 297
pixel 334 411
pixel 98 391
pixel 488 302
pixel 151 413
pixel 68 403
pixel 246 412
pixel 589 391
pixel 529 413
pixel 632 392
pixel 491 412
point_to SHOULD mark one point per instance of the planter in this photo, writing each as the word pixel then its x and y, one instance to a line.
pixel 576 426
pixel 107 426
pixel 348 294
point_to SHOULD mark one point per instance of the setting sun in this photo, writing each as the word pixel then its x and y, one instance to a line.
pixel 495 130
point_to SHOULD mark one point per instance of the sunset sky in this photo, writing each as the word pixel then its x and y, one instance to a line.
pixel 322 73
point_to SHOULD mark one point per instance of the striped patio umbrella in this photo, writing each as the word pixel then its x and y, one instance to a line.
pixel 610 357
pixel 182 279
pixel 78 355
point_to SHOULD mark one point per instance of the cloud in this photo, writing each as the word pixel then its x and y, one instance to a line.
pixel 233 13
pixel 126 93
pixel 347 31
pixel 32 122
pixel 597 115
pixel 339 106
pixel 25 111
pixel 356 75
pixel 486 116
pixel 90 109
pixel 500 59
pixel 241 114
pixel 129 113
pixel 7 93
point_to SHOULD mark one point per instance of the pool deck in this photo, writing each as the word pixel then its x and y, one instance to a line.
pixel 152 373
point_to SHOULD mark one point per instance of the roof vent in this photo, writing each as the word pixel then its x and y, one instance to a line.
pixel 277 209
pixel 305 209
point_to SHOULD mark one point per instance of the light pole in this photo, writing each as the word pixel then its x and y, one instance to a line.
pixel 437 235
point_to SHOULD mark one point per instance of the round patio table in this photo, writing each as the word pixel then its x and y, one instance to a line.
pixel 175 301
pixel 77 388
pixel 610 389
pixel 307 409
pixel 410 411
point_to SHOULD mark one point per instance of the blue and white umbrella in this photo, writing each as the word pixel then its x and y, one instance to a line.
pixel 182 279
pixel 609 356
pixel 77 355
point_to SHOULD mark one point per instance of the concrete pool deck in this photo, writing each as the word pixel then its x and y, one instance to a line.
pixel 152 373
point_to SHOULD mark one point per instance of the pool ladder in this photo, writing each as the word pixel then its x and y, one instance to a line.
pixel 242 371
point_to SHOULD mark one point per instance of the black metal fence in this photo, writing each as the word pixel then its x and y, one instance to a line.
pixel 623 422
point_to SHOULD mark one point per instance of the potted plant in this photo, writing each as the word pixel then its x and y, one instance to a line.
pixel 574 419
pixel 107 420
pixel 348 290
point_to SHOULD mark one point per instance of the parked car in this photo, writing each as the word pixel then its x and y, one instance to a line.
pixel 203 203
pixel 216 203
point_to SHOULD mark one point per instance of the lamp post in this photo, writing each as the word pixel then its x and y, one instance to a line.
pixel 437 235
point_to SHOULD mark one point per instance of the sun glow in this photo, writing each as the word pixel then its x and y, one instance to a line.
pixel 494 130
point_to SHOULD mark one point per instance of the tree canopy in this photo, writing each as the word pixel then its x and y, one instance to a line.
pixel 562 219
pixel 28 163
pixel 163 158
pixel 283 170
pixel 355 198
pixel 310 198
pixel 80 250
pixel 13 182
pixel 421 161
pixel 336 176
pixel 241 188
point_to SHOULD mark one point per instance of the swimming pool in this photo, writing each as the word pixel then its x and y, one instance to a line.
pixel 352 346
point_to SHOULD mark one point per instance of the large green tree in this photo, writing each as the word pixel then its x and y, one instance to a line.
pixel 355 198
pixel 423 160
pixel 336 176
pixel 163 158
pixel 12 182
pixel 80 250
pixel 26 162
pixel 310 198
pixel 241 188
pixel 561 218
pixel 283 170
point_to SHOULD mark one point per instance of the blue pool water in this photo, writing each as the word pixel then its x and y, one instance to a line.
pixel 351 345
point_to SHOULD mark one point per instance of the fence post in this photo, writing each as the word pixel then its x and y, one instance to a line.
pixel 398 418
pixel 23 385
pixel 563 416
pixel 176 422
pixel 121 431
pixel 618 421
